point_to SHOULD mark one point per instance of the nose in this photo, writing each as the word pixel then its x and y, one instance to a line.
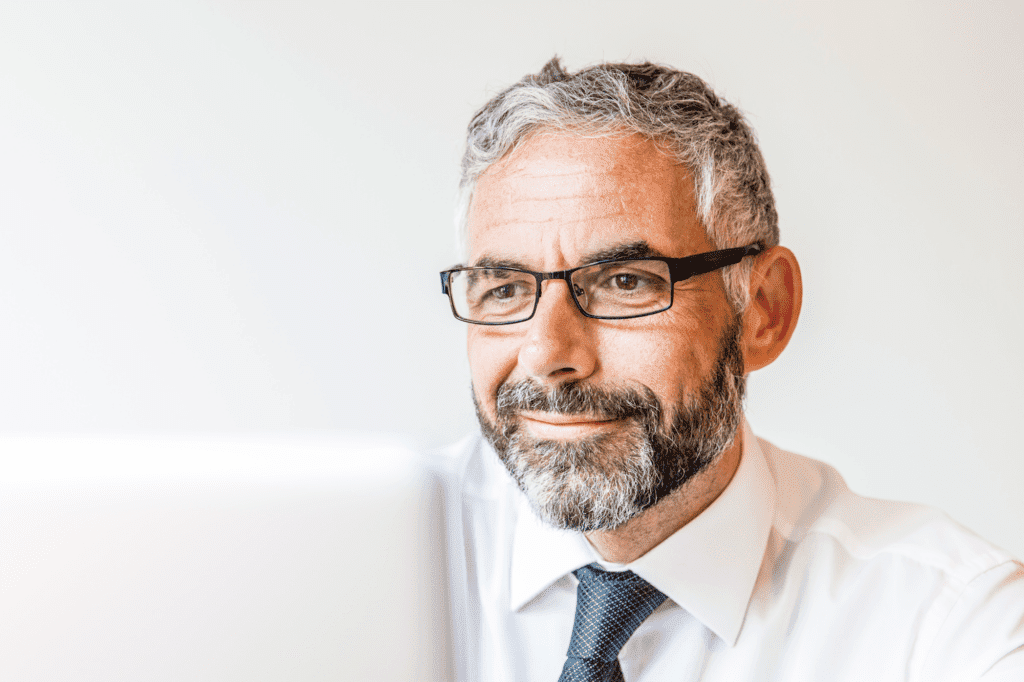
pixel 558 346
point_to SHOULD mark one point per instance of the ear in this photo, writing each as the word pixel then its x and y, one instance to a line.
pixel 776 292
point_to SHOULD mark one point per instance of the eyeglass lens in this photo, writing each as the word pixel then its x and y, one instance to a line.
pixel 618 289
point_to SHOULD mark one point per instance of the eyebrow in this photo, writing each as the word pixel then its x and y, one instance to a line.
pixel 634 249
pixel 637 249
pixel 492 262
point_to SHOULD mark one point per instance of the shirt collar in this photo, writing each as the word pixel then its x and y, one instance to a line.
pixel 708 567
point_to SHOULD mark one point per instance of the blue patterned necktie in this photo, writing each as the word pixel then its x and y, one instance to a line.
pixel 609 608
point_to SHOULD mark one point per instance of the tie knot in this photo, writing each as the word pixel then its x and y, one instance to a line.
pixel 609 607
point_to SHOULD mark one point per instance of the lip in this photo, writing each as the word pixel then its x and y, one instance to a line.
pixel 558 426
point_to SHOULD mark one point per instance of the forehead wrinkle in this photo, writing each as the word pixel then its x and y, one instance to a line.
pixel 526 178
pixel 554 197
pixel 559 220
pixel 520 208
pixel 596 205
pixel 526 170
pixel 588 176
pixel 567 197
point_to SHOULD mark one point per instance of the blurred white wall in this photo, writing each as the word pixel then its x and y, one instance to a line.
pixel 228 217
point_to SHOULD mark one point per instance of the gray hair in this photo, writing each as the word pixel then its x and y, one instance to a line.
pixel 676 109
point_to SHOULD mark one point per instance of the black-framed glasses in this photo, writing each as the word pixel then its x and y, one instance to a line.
pixel 615 289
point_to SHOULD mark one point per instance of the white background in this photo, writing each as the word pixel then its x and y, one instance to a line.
pixel 229 216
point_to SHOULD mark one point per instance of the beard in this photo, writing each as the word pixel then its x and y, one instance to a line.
pixel 601 482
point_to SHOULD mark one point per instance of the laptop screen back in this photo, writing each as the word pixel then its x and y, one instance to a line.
pixel 147 559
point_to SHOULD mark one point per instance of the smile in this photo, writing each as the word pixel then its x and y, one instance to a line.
pixel 559 426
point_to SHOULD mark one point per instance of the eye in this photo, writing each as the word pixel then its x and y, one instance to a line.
pixel 626 282
pixel 504 292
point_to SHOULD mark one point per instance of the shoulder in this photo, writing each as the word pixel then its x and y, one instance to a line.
pixel 814 501
pixel 957 599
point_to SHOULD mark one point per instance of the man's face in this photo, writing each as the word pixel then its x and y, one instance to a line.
pixel 598 419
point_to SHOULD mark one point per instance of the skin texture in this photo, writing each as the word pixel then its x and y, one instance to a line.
pixel 552 204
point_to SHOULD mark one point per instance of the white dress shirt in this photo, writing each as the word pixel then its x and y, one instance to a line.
pixel 786 576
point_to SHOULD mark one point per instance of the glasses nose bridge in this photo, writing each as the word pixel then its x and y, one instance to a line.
pixel 565 276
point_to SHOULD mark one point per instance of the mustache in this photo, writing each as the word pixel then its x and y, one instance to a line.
pixel 575 398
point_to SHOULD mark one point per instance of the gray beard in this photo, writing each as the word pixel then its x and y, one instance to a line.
pixel 600 483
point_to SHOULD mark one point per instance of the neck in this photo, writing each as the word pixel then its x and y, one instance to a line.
pixel 638 536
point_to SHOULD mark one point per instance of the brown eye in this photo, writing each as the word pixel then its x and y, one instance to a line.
pixel 504 292
pixel 627 282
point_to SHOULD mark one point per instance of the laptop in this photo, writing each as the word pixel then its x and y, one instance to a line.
pixel 220 559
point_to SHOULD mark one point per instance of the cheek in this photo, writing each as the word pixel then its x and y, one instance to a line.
pixel 492 356
pixel 667 355
pixel 663 364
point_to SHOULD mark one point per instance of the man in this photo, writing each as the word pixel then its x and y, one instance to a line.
pixel 619 519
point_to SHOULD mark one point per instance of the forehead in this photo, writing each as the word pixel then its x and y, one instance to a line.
pixel 560 196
